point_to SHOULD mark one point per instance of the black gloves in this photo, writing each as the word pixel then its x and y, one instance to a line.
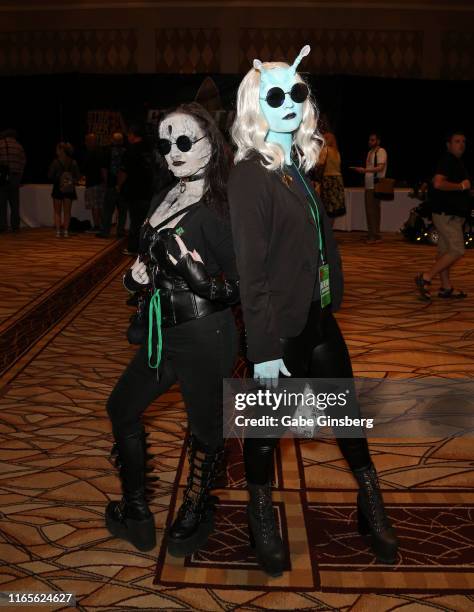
pixel 131 284
pixel 214 288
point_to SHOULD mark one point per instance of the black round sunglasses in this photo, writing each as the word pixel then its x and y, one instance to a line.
pixel 276 96
pixel 184 144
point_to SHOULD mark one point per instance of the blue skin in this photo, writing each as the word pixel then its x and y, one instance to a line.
pixel 280 132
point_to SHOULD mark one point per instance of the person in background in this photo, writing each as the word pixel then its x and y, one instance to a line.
pixel 64 172
pixel 112 161
pixel 375 168
pixel 332 184
pixel 95 187
pixel 136 182
pixel 451 205
pixel 12 164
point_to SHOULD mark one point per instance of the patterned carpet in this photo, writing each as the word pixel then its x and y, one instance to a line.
pixel 45 276
pixel 56 477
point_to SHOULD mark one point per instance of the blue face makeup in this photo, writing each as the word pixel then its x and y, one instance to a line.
pixel 282 95
pixel 279 100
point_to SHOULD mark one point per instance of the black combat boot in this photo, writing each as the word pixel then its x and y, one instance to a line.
pixel 372 518
pixel 195 519
pixel 263 532
pixel 130 519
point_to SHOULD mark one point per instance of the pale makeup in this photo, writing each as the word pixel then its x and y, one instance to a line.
pixel 184 164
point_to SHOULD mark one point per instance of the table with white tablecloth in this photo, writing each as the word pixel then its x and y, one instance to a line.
pixel 36 208
pixel 393 213
pixel 36 205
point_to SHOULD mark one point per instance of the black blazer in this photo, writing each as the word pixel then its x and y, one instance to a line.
pixel 275 242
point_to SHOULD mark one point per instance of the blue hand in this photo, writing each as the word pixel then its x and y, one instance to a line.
pixel 267 372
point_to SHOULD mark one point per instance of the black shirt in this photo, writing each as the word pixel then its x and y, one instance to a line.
pixel 138 165
pixel 451 202
pixel 112 162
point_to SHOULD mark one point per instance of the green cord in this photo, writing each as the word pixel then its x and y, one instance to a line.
pixel 154 314
pixel 316 222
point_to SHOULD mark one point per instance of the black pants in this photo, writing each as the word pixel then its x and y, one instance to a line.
pixel 137 210
pixel 113 200
pixel 198 354
pixel 318 352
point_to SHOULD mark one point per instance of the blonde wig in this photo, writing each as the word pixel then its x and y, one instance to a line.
pixel 250 127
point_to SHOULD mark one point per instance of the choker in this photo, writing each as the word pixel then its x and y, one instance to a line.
pixel 188 179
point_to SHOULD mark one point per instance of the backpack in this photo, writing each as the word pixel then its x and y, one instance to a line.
pixel 66 182
pixel 77 227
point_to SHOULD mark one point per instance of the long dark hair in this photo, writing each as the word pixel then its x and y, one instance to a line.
pixel 217 170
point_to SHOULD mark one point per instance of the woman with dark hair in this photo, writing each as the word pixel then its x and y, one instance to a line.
pixel 186 260
pixel 64 172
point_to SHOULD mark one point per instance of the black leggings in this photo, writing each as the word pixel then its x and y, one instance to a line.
pixel 318 352
pixel 198 354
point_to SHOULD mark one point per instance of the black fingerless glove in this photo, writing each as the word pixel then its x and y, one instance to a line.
pixel 213 288
pixel 132 285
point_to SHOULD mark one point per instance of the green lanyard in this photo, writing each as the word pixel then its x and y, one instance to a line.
pixel 154 315
pixel 312 208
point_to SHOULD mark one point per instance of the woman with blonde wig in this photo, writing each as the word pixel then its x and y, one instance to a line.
pixel 290 284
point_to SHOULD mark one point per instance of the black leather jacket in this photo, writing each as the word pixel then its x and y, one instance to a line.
pixel 189 289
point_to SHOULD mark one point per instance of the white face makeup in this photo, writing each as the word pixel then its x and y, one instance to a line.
pixel 185 164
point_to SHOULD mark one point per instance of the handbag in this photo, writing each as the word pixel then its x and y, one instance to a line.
pixel 384 188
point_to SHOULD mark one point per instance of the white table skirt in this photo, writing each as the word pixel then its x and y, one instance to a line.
pixel 36 205
pixel 36 208
pixel 393 214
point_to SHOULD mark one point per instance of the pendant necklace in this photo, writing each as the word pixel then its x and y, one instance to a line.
pixel 287 179
pixel 190 179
